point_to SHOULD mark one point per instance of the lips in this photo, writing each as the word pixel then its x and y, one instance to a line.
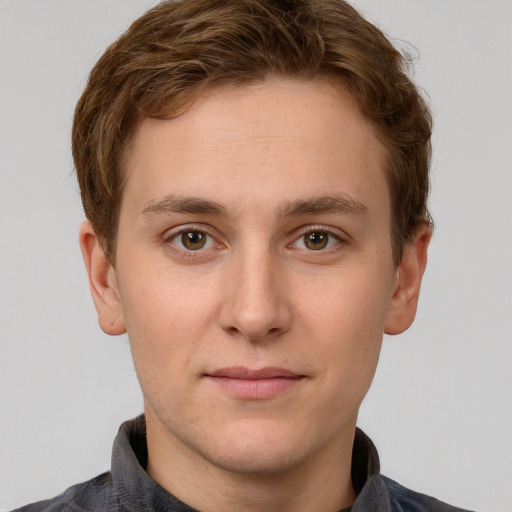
pixel 257 384
pixel 239 372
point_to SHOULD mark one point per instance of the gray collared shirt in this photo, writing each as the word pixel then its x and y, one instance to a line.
pixel 128 488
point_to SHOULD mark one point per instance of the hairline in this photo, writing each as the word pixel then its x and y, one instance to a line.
pixel 205 90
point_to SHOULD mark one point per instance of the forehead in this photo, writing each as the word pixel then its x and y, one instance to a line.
pixel 276 141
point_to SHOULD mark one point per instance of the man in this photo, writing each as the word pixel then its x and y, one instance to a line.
pixel 254 176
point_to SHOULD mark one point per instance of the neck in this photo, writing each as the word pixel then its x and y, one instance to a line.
pixel 318 483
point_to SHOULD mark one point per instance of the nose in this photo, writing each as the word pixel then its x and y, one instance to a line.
pixel 256 303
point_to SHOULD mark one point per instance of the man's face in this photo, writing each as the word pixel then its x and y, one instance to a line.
pixel 254 273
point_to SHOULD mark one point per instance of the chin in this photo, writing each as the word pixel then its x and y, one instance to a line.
pixel 252 460
pixel 257 449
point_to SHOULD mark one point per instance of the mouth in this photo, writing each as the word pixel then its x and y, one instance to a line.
pixel 259 384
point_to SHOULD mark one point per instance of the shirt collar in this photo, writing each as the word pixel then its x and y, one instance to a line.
pixel 137 492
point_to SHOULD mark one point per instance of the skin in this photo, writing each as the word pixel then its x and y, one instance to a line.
pixel 261 168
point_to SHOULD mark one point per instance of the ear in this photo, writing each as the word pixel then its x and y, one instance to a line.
pixel 102 282
pixel 402 308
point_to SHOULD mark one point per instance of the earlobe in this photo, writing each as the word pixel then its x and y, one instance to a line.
pixel 402 308
pixel 102 282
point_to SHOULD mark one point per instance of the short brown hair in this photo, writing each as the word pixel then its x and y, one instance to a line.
pixel 176 50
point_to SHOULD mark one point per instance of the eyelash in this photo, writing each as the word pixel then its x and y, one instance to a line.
pixel 332 237
pixel 298 236
pixel 169 239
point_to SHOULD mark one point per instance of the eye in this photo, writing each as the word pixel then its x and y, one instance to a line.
pixel 192 240
pixel 317 240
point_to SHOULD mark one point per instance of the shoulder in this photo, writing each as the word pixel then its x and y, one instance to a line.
pixel 95 494
pixel 405 500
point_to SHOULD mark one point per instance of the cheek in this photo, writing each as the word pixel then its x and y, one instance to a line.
pixel 166 319
pixel 346 322
pixel 161 298
pixel 351 304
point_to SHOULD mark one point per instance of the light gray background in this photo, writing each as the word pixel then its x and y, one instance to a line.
pixel 440 409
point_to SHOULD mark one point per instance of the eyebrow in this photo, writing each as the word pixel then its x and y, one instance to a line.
pixel 325 204
pixel 193 205
pixel 312 206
